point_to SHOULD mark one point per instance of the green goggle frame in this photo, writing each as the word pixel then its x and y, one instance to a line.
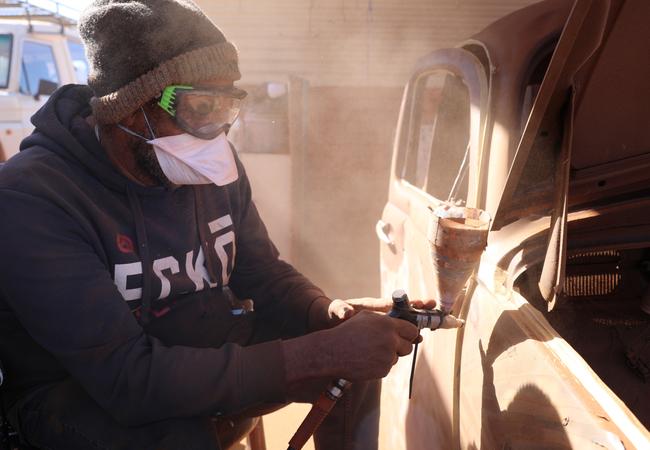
pixel 203 112
pixel 168 97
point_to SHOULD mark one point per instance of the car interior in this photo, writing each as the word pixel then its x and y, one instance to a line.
pixel 604 314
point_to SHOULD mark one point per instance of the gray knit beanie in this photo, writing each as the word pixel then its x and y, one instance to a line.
pixel 138 47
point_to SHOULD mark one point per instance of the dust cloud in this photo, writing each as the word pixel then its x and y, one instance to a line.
pixel 353 58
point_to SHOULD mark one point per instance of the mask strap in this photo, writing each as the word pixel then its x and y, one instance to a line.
pixel 138 135
pixel 146 120
pixel 97 133
pixel 132 133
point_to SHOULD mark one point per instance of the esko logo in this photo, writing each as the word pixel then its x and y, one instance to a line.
pixel 196 271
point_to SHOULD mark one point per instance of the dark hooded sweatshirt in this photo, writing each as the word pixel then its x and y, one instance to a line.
pixel 120 286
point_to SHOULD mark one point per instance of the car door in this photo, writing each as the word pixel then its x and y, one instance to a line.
pixel 436 157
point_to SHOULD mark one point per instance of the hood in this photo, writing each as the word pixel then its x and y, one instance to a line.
pixel 60 127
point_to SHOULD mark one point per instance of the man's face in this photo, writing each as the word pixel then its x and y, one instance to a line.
pixel 162 124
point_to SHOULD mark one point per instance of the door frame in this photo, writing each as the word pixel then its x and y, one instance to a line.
pixel 402 195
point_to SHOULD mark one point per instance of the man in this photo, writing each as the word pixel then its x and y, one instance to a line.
pixel 131 248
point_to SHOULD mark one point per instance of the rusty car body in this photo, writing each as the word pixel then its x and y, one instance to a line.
pixel 542 120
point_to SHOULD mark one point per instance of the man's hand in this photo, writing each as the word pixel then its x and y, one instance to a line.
pixel 325 313
pixel 369 344
pixel 339 310
pixel 363 347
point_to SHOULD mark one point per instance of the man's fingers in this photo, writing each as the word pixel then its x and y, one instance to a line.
pixel 424 304
pixel 370 304
pixel 406 330
pixel 404 347
pixel 344 311
pixel 347 311
pixel 340 310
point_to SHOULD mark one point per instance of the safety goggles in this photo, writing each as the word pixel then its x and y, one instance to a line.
pixel 204 113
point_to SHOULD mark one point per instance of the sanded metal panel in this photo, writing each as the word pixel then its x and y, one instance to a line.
pixel 347 42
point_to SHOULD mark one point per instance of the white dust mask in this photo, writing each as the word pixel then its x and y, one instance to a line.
pixel 186 159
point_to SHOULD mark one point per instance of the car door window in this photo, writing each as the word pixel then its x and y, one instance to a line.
pixel 5 58
pixel 439 136
pixel 37 64
pixel 79 61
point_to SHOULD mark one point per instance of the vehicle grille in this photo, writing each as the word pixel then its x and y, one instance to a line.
pixel 592 274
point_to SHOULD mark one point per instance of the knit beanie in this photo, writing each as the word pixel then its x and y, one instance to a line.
pixel 138 47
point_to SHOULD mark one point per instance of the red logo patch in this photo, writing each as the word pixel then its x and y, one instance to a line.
pixel 124 244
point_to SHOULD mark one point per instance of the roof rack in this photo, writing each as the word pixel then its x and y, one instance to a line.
pixel 27 10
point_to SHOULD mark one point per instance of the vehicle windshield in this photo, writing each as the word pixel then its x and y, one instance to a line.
pixel 5 58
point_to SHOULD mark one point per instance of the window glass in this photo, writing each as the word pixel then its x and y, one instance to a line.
pixel 439 135
pixel 37 64
pixel 79 61
pixel 5 58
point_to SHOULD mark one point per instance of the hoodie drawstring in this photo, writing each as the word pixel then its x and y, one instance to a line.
pixel 143 250
pixel 143 247
pixel 200 221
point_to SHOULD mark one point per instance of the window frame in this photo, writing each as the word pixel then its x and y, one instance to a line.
pixel 414 130
pixel 468 68
pixel 11 54
pixel 69 40
pixel 22 65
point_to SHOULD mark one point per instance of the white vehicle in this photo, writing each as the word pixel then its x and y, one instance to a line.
pixel 40 50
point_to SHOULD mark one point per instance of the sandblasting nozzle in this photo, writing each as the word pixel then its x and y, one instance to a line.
pixel 421 318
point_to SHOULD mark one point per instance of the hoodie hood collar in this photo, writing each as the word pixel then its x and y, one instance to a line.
pixel 61 128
